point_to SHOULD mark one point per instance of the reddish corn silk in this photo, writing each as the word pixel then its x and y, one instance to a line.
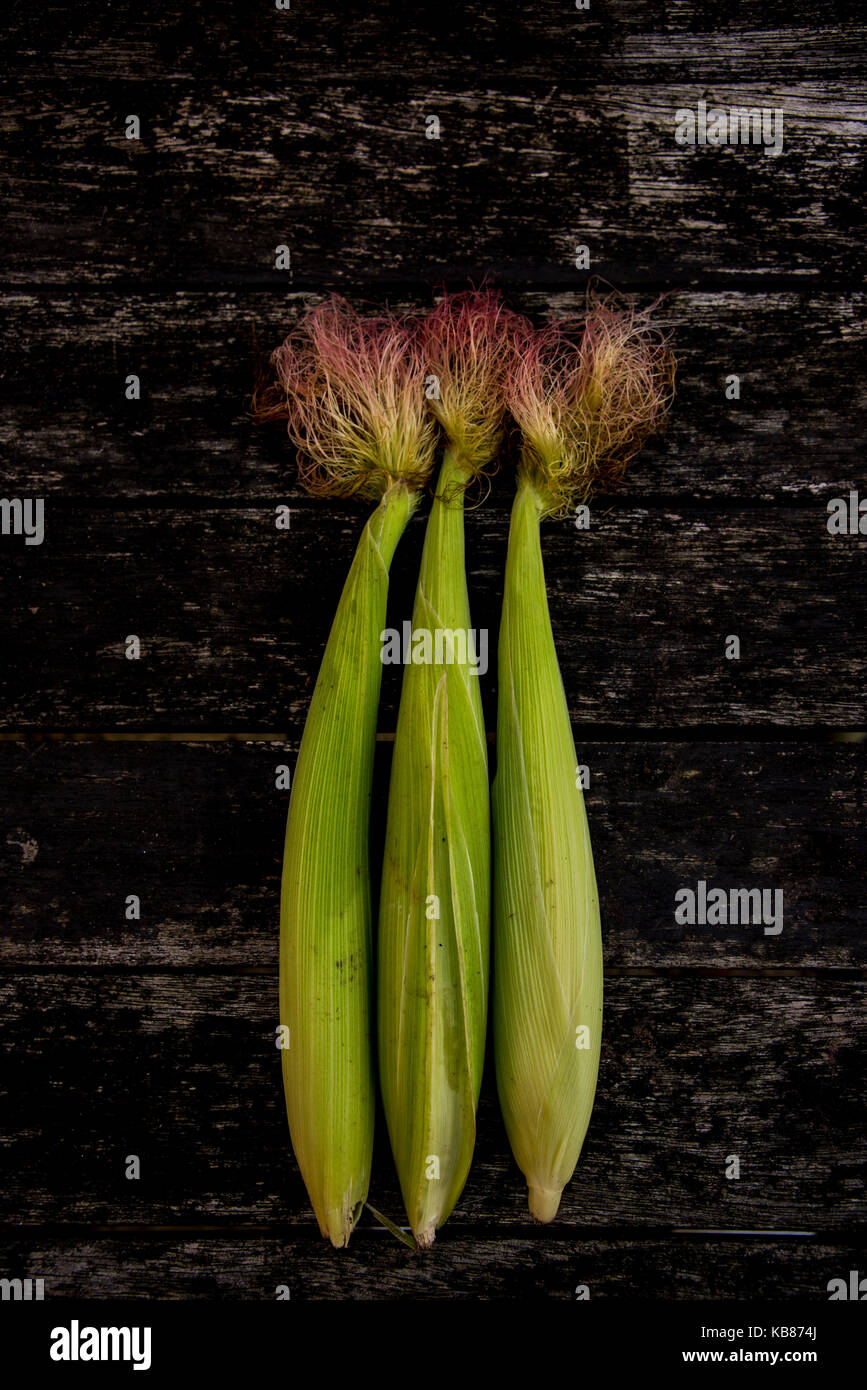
pixel 351 389
pixel 585 393
pixel 469 343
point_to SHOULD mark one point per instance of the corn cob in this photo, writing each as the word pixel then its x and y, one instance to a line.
pixel 435 903
pixel 583 410
pixel 352 390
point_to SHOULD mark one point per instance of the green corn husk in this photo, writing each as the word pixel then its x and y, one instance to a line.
pixel 585 393
pixel 325 905
pixel 433 968
pixel 351 390
pixel 547 934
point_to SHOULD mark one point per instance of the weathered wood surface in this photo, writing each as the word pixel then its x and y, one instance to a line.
pixel 557 126
pixel 183 1071
pixel 222 1268
pixel 156 258
pixel 204 40
pixel 195 830
pixel 67 429
pixel 233 615
pixel 342 173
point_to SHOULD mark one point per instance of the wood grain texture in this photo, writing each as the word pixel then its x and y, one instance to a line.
pixel 156 258
pixel 221 1268
pixel 67 428
pixel 204 39
pixel 516 181
pixel 184 1072
pixel 249 131
pixel 232 631
pixel 196 830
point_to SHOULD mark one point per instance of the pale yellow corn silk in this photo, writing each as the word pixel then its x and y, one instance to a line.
pixel 468 343
pixel 585 393
pixel 351 389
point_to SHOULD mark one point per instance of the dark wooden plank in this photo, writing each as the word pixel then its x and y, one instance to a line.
pixel 204 39
pixel 630 37
pixel 233 615
pixel 183 1071
pixel 375 1266
pixel 308 127
pixel 700 42
pixel 340 171
pixel 797 431
pixel 195 830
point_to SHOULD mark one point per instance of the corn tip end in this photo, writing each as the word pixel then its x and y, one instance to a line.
pixel 425 1238
pixel 338 1224
pixel 544 1203
pixel 335 1230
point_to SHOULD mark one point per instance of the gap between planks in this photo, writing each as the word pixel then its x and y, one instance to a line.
pixel 634 972
pixel 709 733
pixel 810 280
pixel 454 1234
pixel 604 503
